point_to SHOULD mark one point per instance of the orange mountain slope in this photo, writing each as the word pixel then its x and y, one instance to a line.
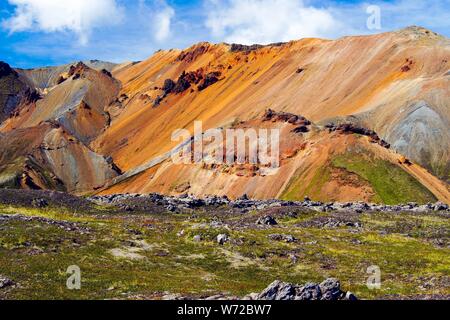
pixel 324 164
pixel 395 84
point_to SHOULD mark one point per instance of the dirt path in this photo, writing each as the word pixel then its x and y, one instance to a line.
pixel 436 186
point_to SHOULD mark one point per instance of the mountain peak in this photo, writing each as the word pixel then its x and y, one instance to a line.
pixel 419 32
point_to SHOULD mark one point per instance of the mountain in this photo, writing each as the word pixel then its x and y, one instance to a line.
pixel 377 109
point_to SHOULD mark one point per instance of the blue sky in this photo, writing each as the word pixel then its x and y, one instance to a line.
pixel 51 32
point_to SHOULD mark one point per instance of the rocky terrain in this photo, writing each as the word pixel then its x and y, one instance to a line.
pixel 186 202
pixel 159 247
pixel 87 176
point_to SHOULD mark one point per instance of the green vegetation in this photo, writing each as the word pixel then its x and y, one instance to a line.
pixel 297 190
pixel 391 184
pixel 129 256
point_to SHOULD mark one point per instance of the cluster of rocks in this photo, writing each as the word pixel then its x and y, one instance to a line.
pixel 243 48
pixel 291 118
pixel 301 122
pixel 40 203
pixel 77 71
pixel 329 290
pixel 351 128
pixel 186 201
pixel 267 220
pixel 65 225
pixel 185 81
pixel 210 79
pixel 192 54
pixel 248 48
pixel 6 70
pixel 282 237
pixel 30 96
pixel 5 282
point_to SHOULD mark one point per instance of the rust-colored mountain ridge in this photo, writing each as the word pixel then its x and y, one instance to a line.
pixel 377 111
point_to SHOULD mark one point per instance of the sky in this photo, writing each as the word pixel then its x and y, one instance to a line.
pixel 37 33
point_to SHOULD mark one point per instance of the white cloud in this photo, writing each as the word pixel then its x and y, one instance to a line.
pixel 266 21
pixel 78 16
pixel 163 22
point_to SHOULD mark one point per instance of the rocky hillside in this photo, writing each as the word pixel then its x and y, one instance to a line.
pixel 158 247
pixel 377 109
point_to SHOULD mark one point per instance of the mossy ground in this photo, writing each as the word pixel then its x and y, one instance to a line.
pixel 390 183
pixel 36 255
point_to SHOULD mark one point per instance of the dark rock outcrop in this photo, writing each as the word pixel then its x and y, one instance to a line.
pixel 350 128
pixel 30 96
pixel 329 290
pixel 168 86
pixel 106 72
pixel 291 118
pixel 5 282
pixel 268 221
pixel 6 70
pixel 210 79
pixel 244 48
pixel 192 54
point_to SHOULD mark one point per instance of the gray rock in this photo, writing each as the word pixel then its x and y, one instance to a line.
pixel 40 203
pixel 197 238
pixel 350 296
pixel 331 289
pixel 268 220
pixel 222 239
pixel 171 208
pixel 440 206
pixel 5 282
pixel 282 237
pixel 278 291
pixel 309 292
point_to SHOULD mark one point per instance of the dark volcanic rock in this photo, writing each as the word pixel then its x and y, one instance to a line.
pixel 291 118
pixel 330 289
pixel 106 72
pixel 40 203
pixel 30 96
pixel 282 237
pixel 349 128
pixel 268 221
pixel 243 48
pixel 168 86
pixel 6 70
pixel 301 129
pixel 192 54
pixel 183 83
pixel 158 101
pixel 5 282
pixel 210 79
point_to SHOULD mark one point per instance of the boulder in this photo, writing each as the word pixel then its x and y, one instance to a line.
pixel 267 220
pixel 40 203
pixel 329 290
pixel 5 282
pixel 168 86
pixel 210 79
pixel 222 239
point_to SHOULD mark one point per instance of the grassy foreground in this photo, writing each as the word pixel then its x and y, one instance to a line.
pixel 147 255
